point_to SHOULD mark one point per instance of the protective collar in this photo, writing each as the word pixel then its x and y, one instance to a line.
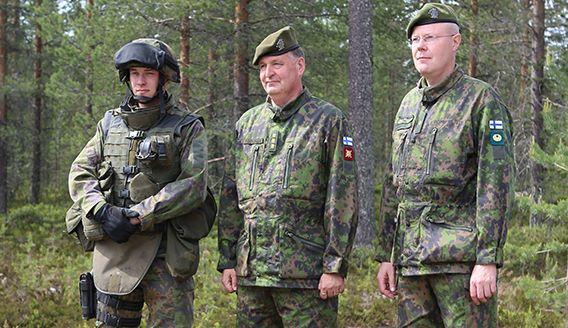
pixel 137 118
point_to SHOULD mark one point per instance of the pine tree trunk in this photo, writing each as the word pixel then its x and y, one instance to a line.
pixel 36 155
pixel 240 65
pixel 89 76
pixel 184 60
pixel 523 127
pixel 473 40
pixel 3 109
pixel 214 115
pixel 361 111
pixel 537 79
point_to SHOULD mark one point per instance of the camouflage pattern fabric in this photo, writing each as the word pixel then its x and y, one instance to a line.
pixel 169 301
pixel 448 190
pixel 442 300
pixel 186 192
pixel 284 307
pixel 296 194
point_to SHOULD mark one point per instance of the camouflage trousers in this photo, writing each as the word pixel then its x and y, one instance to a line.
pixel 169 301
pixel 442 300
pixel 284 307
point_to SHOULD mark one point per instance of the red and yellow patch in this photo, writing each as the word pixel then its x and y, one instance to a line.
pixel 348 153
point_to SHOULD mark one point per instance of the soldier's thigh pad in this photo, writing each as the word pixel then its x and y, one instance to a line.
pixel 120 310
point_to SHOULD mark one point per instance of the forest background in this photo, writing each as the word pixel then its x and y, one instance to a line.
pixel 57 78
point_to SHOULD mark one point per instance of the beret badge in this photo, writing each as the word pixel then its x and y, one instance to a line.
pixel 434 13
pixel 280 44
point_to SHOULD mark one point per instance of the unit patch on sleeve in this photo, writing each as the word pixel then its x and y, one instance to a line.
pixel 348 153
pixel 496 138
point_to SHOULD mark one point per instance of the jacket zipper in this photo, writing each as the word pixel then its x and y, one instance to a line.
pixel 324 152
pixel 430 149
pixel 450 226
pixel 253 170
pixel 287 168
pixel 308 243
pixel 453 227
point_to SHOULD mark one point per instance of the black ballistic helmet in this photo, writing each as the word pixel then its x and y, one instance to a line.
pixel 151 53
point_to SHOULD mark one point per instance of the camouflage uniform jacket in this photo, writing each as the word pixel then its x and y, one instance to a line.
pixel 448 190
pixel 296 192
pixel 183 190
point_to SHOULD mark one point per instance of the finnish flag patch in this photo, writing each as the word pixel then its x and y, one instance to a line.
pixel 347 141
pixel 496 125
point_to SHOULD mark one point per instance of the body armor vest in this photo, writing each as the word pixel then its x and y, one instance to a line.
pixel 143 161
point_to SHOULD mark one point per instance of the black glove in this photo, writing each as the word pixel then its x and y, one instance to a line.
pixel 116 222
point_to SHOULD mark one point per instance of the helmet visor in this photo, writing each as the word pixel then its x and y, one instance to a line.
pixel 142 53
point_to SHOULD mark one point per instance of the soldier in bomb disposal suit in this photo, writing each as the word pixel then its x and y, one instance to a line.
pixel 447 196
pixel 139 185
pixel 290 212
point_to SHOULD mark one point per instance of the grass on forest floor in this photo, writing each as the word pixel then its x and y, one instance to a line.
pixel 40 265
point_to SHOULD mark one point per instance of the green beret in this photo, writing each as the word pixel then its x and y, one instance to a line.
pixel 431 13
pixel 277 43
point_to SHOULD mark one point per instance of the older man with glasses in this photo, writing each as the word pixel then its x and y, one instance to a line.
pixel 447 196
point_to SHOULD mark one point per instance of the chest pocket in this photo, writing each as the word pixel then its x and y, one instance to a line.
pixel 247 162
pixel 303 171
pixel 447 147
pixel 401 131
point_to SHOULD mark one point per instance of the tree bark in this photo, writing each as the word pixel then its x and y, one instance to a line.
pixel 523 127
pixel 214 115
pixel 3 108
pixel 473 40
pixel 38 100
pixel 537 78
pixel 184 59
pixel 361 112
pixel 89 76
pixel 240 65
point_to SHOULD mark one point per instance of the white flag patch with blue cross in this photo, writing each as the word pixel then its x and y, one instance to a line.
pixel 496 125
pixel 347 141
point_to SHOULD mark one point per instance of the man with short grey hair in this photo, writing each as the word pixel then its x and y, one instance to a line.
pixel 290 206
pixel 447 196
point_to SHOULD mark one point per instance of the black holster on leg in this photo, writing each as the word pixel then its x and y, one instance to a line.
pixel 88 295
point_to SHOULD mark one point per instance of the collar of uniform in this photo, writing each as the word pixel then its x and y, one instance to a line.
pixel 282 114
pixel 431 94
pixel 143 118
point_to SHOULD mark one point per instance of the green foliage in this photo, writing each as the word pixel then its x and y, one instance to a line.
pixel 39 268
pixel 40 265
pixel 528 302
pixel 361 305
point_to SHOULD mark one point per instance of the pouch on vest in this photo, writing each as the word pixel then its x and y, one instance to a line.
pixel 183 235
pixel 142 187
pixel 154 152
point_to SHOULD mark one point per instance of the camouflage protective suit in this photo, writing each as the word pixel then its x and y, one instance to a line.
pixel 291 208
pixel 155 265
pixel 447 195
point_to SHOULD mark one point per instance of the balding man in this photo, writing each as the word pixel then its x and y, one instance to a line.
pixel 447 195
